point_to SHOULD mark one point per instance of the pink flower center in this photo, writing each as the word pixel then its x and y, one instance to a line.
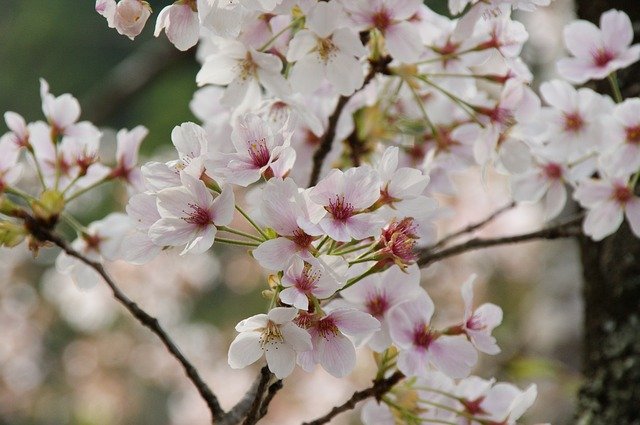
pixel 326 327
pixel 422 336
pixel 633 134
pixel 259 153
pixel 602 57
pixel 573 122
pixel 500 115
pixel 307 281
pixel 381 20
pixel 474 407
pixel 198 216
pixel 553 171
pixel 622 194
pixel 340 209
pixel 377 305
pixel 475 323
pixel 301 238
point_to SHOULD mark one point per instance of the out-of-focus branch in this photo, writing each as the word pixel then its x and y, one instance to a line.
pixel 327 139
pixel 273 390
pixel 377 390
pixel 45 234
pixel 127 78
pixel 472 227
pixel 564 229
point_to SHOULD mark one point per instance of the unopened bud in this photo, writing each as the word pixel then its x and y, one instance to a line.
pixel 11 234
pixel 50 205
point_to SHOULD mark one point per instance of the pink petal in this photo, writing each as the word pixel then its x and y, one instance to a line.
pixel 453 355
pixel 337 355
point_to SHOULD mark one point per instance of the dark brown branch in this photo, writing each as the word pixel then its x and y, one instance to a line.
pixel 472 227
pixel 273 390
pixel 565 229
pixel 377 390
pixel 327 139
pixel 45 234
pixel 253 414
pixel 252 397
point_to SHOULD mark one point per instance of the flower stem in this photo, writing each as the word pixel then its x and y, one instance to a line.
pixel 240 233
pixel 615 87
pixel 236 242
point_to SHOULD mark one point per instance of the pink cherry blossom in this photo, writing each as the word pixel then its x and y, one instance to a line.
pixel 274 335
pixel 180 23
pixel 128 144
pixel 261 150
pixel 331 348
pixel 190 215
pixel 138 247
pixel 327 49
pixel 291 214
pixel 19 131
pixel 597 52
pixel 243 71
pixel 623 156
pixel 421 346
pixel 608 201
pixel 102 240
pixel 344 195
pixel 391 18
pixel 9 168
pixel 479 323
pixel 379 294
pixel 546 179
pixel 306 278
pixel 574 119
pixel 128 17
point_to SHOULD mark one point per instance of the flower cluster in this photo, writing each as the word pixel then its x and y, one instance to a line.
pixel 382 103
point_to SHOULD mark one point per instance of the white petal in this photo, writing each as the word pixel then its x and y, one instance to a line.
pixel 244 350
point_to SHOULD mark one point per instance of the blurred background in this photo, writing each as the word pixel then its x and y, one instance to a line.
pixel 71 356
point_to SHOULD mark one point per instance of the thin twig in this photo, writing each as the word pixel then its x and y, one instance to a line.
pixel 473 227
pixel 565 229
pixel 377 390
pixel 44 234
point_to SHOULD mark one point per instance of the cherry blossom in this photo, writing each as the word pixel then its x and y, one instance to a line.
pixel 138 247
pixel 274 335
pixel 9 169
pixel 421 346
pixel 608 201
pixel 243 71
pixel 623 154
pixel 306 278
pixel 19 131
pixel 344 195
pixel 331 348
pixel 127 16
pixel 379 294
pixel 597 52
pixel 291 214
pixel 190 215
pixel 260 150
pixel 391 18
pixel 180 23
pixel 479 323
pixel 128 144
pixel 327 49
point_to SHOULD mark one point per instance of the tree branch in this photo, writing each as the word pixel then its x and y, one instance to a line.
pixel 377 390
pixel 44 234
pixel 273 390
pixel 252 416
pixel 472 227
pixel 565 229
pixel 326 141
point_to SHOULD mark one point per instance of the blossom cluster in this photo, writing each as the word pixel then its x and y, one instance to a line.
pixel 382 103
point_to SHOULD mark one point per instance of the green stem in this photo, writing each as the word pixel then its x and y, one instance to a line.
pixel 416 97
pixel 38 169
pixel 613 80
pixel 465 106
pixel 253 223
pixel 235 242
pixel 278 34
pixel 362 260
pixel 240 233
pixel 350 250
pixel 322 242
pixel 357 279
pixel 86 189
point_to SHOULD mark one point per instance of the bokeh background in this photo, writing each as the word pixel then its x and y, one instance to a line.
pixel 71 356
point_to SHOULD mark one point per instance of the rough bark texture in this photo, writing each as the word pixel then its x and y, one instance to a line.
pixel 611 391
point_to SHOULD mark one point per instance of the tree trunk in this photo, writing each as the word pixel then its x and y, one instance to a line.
pixel 610 394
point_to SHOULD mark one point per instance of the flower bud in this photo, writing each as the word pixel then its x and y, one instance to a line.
pixel 50 205
pixel 11 234
pixel 131 16
pixel 396 244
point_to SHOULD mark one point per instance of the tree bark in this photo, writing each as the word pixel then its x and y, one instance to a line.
pixel 610 393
